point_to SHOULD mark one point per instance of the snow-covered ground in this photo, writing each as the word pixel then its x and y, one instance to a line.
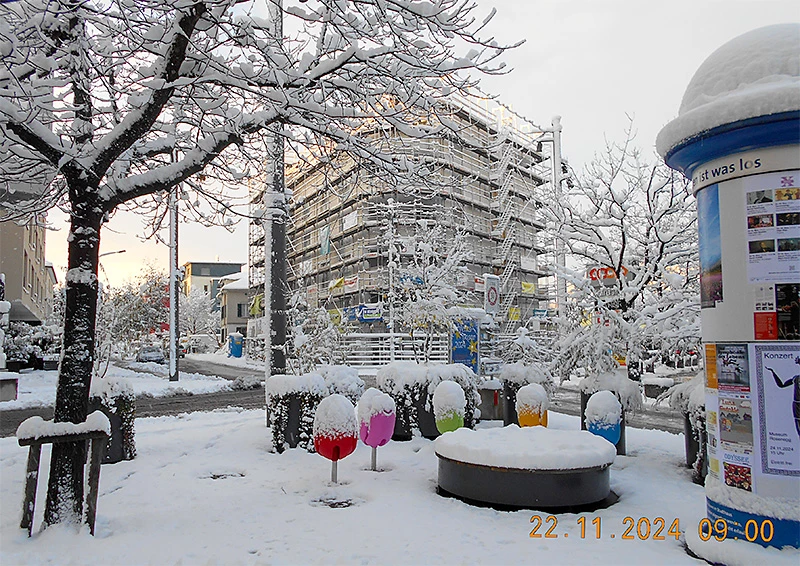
pixel 38 388
pixel 205 488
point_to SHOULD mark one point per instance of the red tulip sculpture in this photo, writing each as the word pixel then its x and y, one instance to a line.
pixel 335 430
pixel 376 417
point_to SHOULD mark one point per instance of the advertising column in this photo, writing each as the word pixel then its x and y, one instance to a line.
pixel 741 148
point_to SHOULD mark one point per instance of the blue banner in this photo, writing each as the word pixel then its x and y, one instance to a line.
pixel 464 343
pixel 759 529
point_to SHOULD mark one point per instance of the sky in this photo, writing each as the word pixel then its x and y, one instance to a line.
pixel 592 62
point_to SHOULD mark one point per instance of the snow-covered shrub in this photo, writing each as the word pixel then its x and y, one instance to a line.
pixel 626 390
pixel 412 385
pixel 309 390
pixel 603 410
pixel 343 380
pixel 689 398
pixel 116 397
pixel 245 383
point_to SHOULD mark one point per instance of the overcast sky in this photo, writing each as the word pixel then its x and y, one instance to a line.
pixel 589 61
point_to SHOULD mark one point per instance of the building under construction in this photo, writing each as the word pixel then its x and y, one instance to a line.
pixel 493 183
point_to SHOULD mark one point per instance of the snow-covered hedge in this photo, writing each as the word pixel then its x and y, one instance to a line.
pixel 689 398
pixel 116 397
pixel 412 385
pixel 521 374
pixel 309 389
pixel 343 380
pixel 617 382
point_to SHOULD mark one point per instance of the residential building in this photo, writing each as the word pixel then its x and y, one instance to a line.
pixel 29 278
pixel 234 298
pixel 495 188
pixel 207 275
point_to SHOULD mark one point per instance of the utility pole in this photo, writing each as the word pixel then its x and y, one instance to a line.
pixel 174 331
pixel 561 283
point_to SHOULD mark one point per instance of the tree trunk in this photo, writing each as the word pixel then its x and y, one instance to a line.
pixel 65 486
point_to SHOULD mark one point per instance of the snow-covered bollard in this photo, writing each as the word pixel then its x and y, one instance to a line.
pixel 335 430
pixel 376 418
pixel 604 416
pixel 517 375
pixel 449 404
pixel 532 403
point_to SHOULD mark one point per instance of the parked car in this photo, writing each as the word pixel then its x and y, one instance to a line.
pixel 150 354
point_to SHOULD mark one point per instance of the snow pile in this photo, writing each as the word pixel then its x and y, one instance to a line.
pixel 521 374
pixel 448 400
pixel 527 448
pixel 37 427
pixel 490 385
pixel 343 380
pixel 335 417
pixel 374 402
pixel 532 398
pixel 617 382
pixel 755 74
pixel 393 377
pixel 603 410
pixel 281 385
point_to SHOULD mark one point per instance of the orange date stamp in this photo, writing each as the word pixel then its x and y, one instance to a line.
pixel 641 528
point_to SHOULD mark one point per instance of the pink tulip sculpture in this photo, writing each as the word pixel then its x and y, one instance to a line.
pixel 376 416
pixel 335 430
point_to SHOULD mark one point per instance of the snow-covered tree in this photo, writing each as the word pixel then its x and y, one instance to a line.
pixel 629 225
pixel 113 103
pixel 428 256
pixel 197 313
pixel 315 340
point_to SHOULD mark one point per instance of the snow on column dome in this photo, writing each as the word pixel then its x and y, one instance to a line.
pixel 755 74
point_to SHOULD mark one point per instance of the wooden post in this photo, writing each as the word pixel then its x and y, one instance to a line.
pixel 31 480
pixel 94 482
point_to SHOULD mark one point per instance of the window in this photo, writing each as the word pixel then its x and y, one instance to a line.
pixel 205 288
pixel 241 310
pixel 205 271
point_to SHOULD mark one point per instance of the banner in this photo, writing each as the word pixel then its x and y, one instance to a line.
pixel 464 343
pixel 351 284
pixel 325 240
pixel 336 283
pixel 528 288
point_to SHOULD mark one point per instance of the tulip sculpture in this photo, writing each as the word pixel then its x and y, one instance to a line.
pixel 449 404
pixel 604 416
pixel 335 430
pixel 376 417
pixel 532 403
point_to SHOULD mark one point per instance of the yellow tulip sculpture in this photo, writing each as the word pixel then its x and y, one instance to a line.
pixel 532 403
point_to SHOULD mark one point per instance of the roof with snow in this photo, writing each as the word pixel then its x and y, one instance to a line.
pixel 755 74
pixel 234 282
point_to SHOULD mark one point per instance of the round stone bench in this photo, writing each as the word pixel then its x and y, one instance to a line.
pixel 530 467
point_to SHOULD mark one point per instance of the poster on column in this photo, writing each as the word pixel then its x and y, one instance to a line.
pixel 735 415
pixel 772 208
pixel 776 369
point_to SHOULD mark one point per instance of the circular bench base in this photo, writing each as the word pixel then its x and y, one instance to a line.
pixel 526 489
